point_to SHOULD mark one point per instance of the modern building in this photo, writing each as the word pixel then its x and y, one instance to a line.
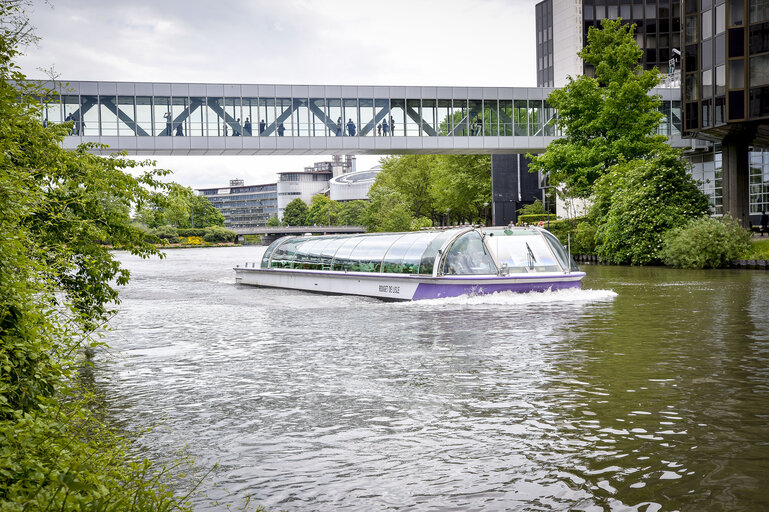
pixel 562 27
pixel 724 50
pixel 311 181
pixel 244 206
pixel 353 186
pixel 726 95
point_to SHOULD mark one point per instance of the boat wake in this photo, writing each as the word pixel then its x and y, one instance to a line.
pixel 508 298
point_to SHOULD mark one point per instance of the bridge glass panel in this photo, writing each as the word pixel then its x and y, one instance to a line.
pixel 506 118
pixel 108 114
pixel 213 117
pixel 664 126
pixel 334 114
pixel 266 116
pixel 397 117
pixel 549 119
pixel 520 117
pixel 675 114
pixel 490 117
pixel 144 114
pixel 367 124
pixel 443 115
pixel 89 115
pixel 232 116
pixel 52 109
pixel 318 117
pixel 250 116
pixel 382 109
pixel 460 119
pixel 429 116
pixel 350 106
pixel 180 117
pixel 282 117
pixel 197 120
pixel 476 117
pixel 413 115
pixel 126 114
pixel 300 118
pixel 535 117
pixel 162 116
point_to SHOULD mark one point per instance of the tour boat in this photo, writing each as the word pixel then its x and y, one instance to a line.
pixel 428 264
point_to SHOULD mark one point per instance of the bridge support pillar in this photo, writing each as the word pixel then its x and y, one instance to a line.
pixel 512 187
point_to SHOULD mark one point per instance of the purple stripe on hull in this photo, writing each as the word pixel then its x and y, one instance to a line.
pixel 437 291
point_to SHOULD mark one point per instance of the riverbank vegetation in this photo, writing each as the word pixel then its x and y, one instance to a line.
pixel 60 210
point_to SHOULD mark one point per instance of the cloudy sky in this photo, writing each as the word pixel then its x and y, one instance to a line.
pixel 357 42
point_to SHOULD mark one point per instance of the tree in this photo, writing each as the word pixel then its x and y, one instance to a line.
pixel 273 222
pixel 203 214
pixel 410 175
pixel 323 211
pixel 387 211
pixel 60 213
pixel 296 213
pixel 606 120
pixel 638 202
pixel 351 213
pixel 461 184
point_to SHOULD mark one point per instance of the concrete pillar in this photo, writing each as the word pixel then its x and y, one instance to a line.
pixel 735 177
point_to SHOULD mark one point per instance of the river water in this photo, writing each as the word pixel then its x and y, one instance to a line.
pixel 647 390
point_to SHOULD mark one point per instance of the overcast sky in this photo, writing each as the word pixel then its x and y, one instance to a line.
pixel 355 42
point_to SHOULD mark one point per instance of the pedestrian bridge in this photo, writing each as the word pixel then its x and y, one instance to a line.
pixel 229 119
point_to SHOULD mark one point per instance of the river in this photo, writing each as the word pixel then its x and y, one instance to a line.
pixel 647 390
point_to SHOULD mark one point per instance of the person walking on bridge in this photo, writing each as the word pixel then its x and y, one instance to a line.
pixel 351 128
pixel 262 126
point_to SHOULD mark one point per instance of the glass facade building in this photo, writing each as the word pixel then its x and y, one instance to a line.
pixel 244 206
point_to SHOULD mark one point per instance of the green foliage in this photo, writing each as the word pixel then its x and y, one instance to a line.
pixel 637 202
pixel 181 208
pixel 579 231
pixel 387 211
pixel 351 213
pixel 605 120
pixel 757 250
pixel 169 234
pixel 705 243
pixel 218 235
pixel 273 222
pixel 189 231
pixel 535 218
pixel 59 211
pixel 323 211
pixel 410 175
pixel 296 213
pixel 461 184
pixel 535 208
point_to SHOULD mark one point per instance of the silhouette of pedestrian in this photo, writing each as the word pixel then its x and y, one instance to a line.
pixel 392 125
pixel 179 130
pixel 379 129
pixel 167 117
pixel 281 130
pixel 247 127
pixel 224 129
pixel 385 128
pixel 262 126
pixel 351 128
pixel 339 127
pixel 236 131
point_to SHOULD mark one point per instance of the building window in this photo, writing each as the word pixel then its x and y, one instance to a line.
pixel 759 70
pixel 759 10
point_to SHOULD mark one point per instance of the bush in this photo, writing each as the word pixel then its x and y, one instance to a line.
pixel 167 233
pixel 758 250
pixel 218 235
pixel 705 243
pixel 535 218
pixel 535 208
pixel 191 232
pixel 579 230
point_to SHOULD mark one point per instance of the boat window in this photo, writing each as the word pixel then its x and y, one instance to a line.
pixel 560 252
pixel 428 256
pixel 468 256
pixel 306 257
pixel 394 259
pixel 368 255
pixel 413 255
pixel 524 251
pixel 268 252
pixel 342 259
pixel 283 255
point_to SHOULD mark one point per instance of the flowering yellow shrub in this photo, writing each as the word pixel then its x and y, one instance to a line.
pixel 192 240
